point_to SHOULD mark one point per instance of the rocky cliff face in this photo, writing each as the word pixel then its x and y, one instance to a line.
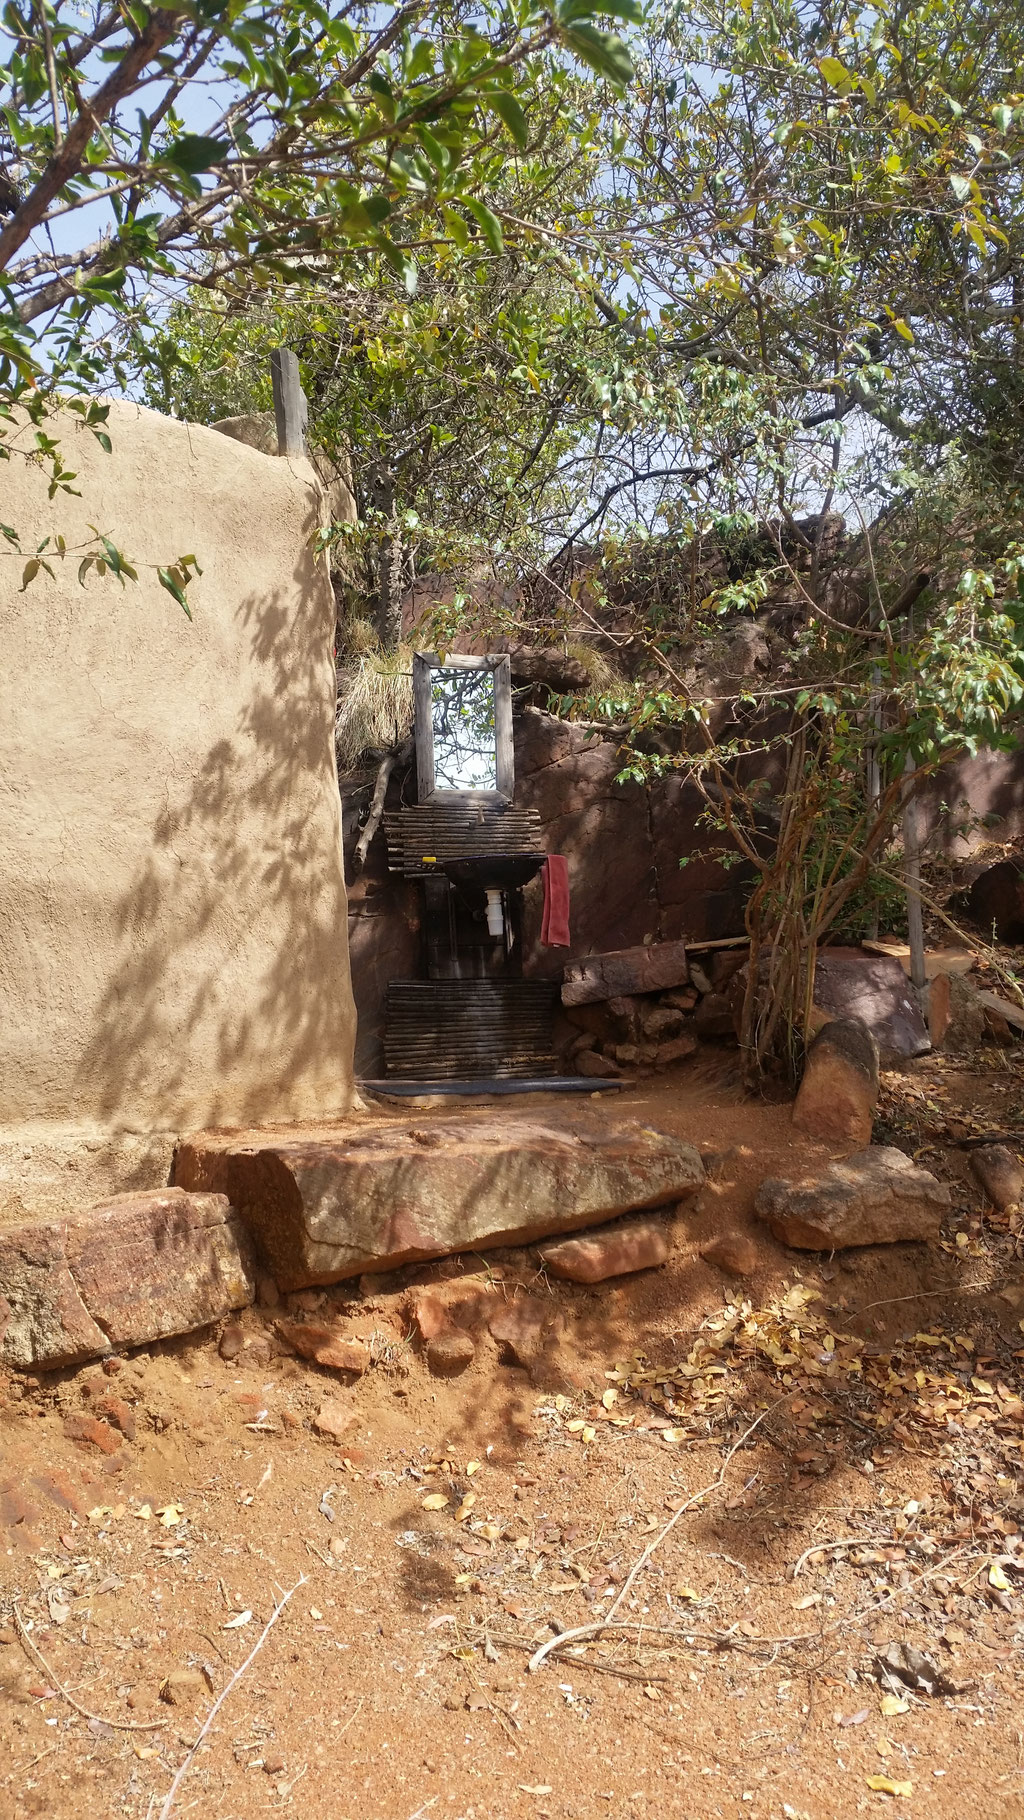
pixel 623 842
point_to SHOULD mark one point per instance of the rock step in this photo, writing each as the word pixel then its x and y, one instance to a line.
pixel 135 1268
pixel 347 1199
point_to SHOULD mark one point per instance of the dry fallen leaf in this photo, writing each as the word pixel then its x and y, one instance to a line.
pixel 997 1578
pixel 891 1704
pixel 465 1507
pixel 57 1605
pixel 883 1786
pixel 472 1466
pixel 609 1398
pixel 652 1692
pixel 171 1514
pixel 536 1788
pixel 144 1511
pixel 436 1500
pixel 686 1592
pixel 242 1617
pixel 489 1531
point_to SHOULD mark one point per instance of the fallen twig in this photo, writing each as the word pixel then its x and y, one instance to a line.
pixel 601 1668
pixel 218 1703
pixel 823 1548
pixel 121 1725
pixel 980 1140
pixel 595 1629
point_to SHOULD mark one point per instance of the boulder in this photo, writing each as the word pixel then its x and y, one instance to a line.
pixel 650 968
pixel 593 1019
pixel 678 1050
pixel 596 1067
pixel 661 1023
pixel 367 1197
pixel 715 1017
pixel 965 1025
pixel 995 900
pixel 839 1090
pixel 447 1347
pixel 724 966
pixel 999 1173
pixel 623 1014
pixel 326 1345
pixel 733 1252
pixel 611 1251
pixel 1009 1013
pixel 873 990
pixel 530 1330
pixel 877 1197
pixel 449 1352
pixel 685 999
pixel 334 1418
pixel 136 1268
pixel 553 669
pixel 585 1041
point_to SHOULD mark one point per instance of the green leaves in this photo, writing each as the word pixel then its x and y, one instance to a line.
pixel 177 578
pixel 835 73
pixel 510 113
pixel 193 153
pixel 488 223
pixel 600 51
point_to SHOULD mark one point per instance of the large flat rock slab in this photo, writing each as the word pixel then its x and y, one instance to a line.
pixel 626 970
pixel 872 988
pixel 136 1268
pixel 337 1202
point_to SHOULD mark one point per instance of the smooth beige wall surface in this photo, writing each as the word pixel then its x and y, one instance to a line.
pixel 172 903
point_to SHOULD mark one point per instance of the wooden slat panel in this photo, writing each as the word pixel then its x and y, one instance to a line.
pixel 452 831
pixel 464 1029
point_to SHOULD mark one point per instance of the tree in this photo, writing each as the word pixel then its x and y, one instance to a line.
pixel 811 229
pixel 452 409
pixel 242 146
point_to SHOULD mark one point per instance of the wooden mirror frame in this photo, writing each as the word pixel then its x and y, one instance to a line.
pixel 423 663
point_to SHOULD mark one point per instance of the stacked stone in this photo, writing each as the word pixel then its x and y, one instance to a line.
pixel 641 1033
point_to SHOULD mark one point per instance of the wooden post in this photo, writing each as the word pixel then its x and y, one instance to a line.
pixel 912 852
pixel 290 408
pixel 912 878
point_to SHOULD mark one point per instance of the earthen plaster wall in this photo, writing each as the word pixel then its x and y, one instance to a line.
pixel 173 947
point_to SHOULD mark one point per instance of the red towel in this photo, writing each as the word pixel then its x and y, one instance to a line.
pixel 554 930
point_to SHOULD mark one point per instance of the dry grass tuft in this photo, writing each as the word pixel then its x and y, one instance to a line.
pixel 603 675
pixel 374 704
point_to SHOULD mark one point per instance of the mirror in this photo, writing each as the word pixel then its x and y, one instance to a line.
pixel 463 727
pixel 462 721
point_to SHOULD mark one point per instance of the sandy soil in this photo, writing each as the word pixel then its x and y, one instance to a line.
pixel 394 1682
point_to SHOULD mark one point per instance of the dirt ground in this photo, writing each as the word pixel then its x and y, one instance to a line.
pixel 835 1442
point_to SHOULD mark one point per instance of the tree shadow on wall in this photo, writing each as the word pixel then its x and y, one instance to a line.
pixel 229 1002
